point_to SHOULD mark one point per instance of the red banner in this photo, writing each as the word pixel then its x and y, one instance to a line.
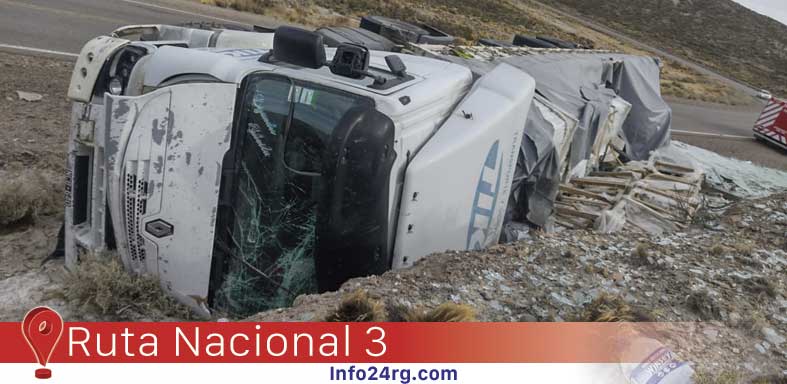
pixel 329 342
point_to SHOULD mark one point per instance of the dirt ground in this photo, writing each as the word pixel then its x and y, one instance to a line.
pixel 32 147
pixel 32 163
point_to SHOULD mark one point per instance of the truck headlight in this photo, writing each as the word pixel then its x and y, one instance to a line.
pixel 119 71
pixel 115 86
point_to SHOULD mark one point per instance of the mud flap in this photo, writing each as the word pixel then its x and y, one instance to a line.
pixel 164 160
pixel 456 188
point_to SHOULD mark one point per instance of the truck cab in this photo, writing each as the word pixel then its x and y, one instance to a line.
pixel 242 177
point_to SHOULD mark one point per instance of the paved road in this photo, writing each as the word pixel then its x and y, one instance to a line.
pixel 64 25
pixel 713 118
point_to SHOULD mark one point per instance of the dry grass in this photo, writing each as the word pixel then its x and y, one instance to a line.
pixel 306 14
pixel 717 250
pixel 744 248
pixel 26 195
pixel 445 313
pixel 642 255
pixel 704 305
pixel 726 377
pixel 357 307
pixel 255 6
pixel 613 308
pixel 101 283
pixel 762 287
pixel 754 322
pixel 680 81
pixel 772 379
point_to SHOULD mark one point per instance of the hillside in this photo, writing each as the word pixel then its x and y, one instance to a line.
pixel 720 34
pixel 471 20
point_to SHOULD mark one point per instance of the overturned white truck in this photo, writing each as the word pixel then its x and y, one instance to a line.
pixel 243 169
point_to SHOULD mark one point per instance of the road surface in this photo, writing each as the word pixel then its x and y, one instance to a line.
pixel 65 25
pixel 714 118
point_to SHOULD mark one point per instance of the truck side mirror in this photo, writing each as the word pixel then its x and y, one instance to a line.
pixel 396 65
pixel 298 47
pixel 353 220
pixel 351 60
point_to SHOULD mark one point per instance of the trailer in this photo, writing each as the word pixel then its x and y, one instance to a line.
pixel 771 126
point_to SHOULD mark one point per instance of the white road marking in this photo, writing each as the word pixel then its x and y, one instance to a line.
pixel 144 4
pixel 716 135
pixel 37 50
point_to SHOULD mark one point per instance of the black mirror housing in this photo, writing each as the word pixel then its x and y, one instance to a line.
pixel 350 60
pixel 299 47
pixel 396 66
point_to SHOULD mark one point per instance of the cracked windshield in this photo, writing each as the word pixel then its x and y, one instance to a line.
pixel 286 129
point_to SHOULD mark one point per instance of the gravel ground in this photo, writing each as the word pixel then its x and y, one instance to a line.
pixel 725 275
pixel 33 141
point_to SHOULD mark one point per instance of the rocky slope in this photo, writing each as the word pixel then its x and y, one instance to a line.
pixel 721 34
pixel 727 272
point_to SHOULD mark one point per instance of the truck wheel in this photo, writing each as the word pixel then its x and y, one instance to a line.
pixel 527 41
pixel 559 43
pixel 404 32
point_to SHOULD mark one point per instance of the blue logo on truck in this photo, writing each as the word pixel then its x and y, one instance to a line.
pixel 485 200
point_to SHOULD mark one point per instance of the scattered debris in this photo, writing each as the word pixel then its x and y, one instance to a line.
pixel 739 178
pixel 654 197
pixel 29 96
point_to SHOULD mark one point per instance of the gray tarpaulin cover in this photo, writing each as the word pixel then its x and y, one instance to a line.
pixel 583 85
pixel 537 175
pixel 648 124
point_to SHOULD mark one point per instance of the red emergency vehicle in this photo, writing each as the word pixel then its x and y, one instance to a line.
pixel 771 126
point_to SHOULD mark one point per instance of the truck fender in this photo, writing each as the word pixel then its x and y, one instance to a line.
pixel 456 188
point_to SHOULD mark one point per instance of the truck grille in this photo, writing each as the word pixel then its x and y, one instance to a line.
pixel 136 195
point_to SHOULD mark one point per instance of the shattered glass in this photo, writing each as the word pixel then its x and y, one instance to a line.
pixel 273 244
pixel 269 242
pixel 271 238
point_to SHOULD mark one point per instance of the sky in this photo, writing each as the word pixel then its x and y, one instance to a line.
pixel 776 9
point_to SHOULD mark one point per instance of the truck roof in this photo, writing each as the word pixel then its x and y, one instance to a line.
pixel 233 64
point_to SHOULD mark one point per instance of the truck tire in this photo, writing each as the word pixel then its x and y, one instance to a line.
pixel 557 42
pixel 532 42
pixel 495 43
pixel 333 36
pixel 404 32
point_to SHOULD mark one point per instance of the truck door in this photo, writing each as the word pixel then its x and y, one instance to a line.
pixel 164 156
pixel 456 188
